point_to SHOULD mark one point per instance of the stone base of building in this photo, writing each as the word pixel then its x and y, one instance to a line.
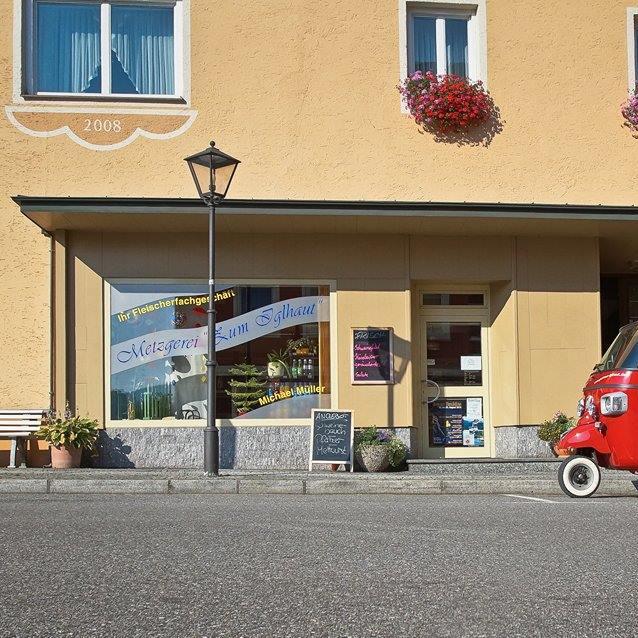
pixel 241 448
pixel 520 442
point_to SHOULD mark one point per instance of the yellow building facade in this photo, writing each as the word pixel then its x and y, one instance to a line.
pixel 502 263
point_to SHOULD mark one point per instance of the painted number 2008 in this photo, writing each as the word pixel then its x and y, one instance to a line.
pixel 103 125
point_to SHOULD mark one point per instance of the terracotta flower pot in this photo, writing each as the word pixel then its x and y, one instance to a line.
pixel 373 458
pixel 63 457
pixel 560 451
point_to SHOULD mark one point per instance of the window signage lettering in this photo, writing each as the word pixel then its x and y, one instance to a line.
pixel 372 357
pixel 229 333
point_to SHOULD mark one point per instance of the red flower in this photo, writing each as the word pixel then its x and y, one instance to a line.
pixel 449 102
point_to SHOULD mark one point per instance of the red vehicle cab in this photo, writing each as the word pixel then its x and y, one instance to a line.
pixel 606 434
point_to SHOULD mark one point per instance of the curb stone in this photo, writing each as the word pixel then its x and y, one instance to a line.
pixel 274 486
pixel 24 486
pixel 522 485
pixel 379 486
pixel 204 486
pixel 108 486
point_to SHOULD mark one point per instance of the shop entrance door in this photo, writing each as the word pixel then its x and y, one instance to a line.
pixel 454 385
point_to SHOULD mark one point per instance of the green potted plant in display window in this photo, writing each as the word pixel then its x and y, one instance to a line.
pixel 278 364
pixel 247 386
pixel 377 450
pixel 67 435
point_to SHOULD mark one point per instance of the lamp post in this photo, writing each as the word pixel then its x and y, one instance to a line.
pixel 212 172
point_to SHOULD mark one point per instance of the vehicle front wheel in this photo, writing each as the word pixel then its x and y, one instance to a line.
pixel 578 476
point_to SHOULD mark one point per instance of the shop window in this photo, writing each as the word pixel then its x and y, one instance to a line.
pixel 273 351
pixel 122 49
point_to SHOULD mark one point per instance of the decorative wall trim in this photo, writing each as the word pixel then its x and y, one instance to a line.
pixel 81 124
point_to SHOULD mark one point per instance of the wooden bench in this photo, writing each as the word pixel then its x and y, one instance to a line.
pixel 19 425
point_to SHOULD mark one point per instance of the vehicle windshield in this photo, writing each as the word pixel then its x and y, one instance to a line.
pixel 623 352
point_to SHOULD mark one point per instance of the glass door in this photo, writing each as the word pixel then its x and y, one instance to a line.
pixel 454 387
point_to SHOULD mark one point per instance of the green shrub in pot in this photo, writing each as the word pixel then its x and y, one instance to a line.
pixel 553 429
pixel 376 450
pixel 67 435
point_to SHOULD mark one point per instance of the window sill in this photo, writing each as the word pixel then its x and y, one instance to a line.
pixel 101 99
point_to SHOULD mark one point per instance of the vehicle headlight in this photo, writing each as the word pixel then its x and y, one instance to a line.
pixel 614 403
pixel 580 408
pixel 590 406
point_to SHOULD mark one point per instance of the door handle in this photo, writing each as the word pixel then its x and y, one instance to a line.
pixel 437 389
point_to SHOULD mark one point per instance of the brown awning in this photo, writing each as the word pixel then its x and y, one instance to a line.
pixel 109 214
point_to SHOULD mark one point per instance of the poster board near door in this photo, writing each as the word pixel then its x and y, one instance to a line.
pixel 372 356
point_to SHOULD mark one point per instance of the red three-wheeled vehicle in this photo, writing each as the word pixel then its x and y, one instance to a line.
pixel 606 433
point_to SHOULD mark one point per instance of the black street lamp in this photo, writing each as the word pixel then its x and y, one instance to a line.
pixel 212 172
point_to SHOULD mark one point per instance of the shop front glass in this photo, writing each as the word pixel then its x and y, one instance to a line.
pixel 272 343
pixel 454 365
pixel 454 383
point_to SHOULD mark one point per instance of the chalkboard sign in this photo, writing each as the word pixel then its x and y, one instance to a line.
pixel 372 359
pixel 332 437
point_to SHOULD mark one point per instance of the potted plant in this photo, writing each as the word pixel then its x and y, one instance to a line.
pixel 553 429
pixel 278 364
pixel 446 103
pixel 68 435
pixel 302 346
pixel 246 387
pixel 376 450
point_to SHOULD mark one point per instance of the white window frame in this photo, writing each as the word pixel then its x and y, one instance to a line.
pixel 474 12
pixel 180 39
pixel 632 26
pixel 243 422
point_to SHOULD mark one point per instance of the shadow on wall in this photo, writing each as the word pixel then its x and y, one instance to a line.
pixel 481 135
pixel 402 351
pixel 227 447
pixel 112 452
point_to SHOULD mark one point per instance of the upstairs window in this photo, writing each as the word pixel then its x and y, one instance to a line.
pixel 632 47
pixel 105 48
pixel 444 37
pixel 439 44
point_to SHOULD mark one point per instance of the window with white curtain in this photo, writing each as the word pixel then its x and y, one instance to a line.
pixel 119 48
pixel 441 42
pixel 632 47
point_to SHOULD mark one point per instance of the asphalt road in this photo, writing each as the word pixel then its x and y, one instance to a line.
pixel 317 566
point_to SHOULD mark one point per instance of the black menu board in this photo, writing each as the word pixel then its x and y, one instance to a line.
pixel 372 359
pixel 332 436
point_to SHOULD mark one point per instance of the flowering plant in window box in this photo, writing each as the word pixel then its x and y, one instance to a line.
pixel 629 111
pixel 447 103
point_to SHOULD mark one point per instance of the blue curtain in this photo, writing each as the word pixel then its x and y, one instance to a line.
pixel 456 47
pixel 68 47
pixel 142 43
pixel 424 45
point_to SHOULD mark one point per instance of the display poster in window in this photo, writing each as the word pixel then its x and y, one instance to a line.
pixel 372 357
pixel 446 422
pixel 272 348
pixel 456 423
pixel 332 437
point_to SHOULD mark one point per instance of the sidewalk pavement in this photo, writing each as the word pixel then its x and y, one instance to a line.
pixel 188 481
